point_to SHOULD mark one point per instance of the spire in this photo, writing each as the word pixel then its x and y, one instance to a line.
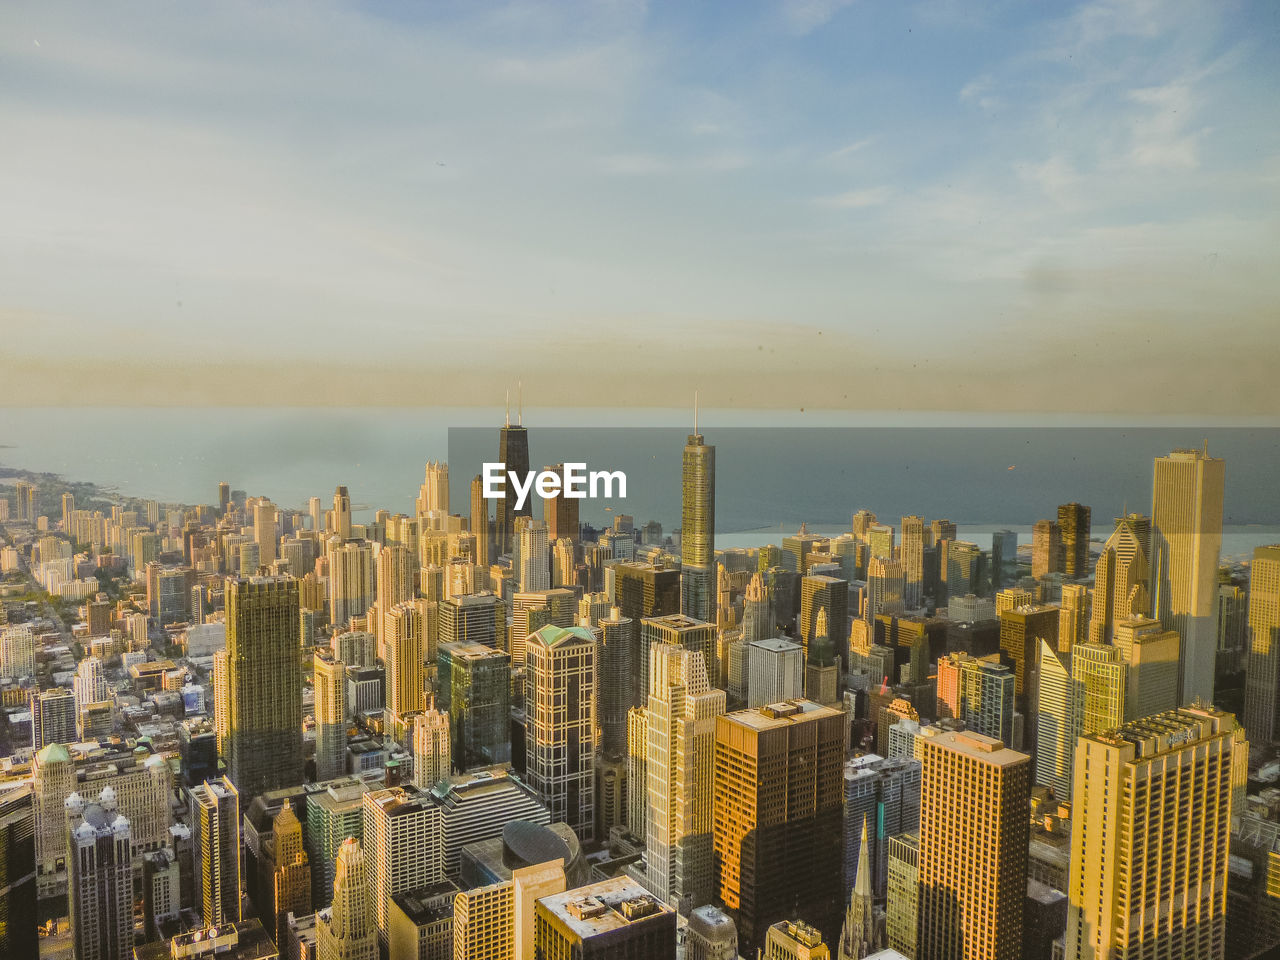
pixel 520 402
pixel 820 628
pixel 695 413
pixel 862 880
pixel 508 406
pixel 860 937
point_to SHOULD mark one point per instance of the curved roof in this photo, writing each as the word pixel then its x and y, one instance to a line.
pixel 530 843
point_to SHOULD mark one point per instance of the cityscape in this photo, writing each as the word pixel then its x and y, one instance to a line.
pixel 487 730
pixel 639 480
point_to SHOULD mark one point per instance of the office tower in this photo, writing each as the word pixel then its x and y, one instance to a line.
pixel 93 700
pixel 393 576
pixel 795 940
pixel 902 914
pixel 1073 526
pixel 1152 656
pixel 433 496
pixel 778 803
pixel 534 572
pixel 861 934
pixel 1046 548
pixel 1020 630
pixel 797 547
pixel 475 690
pixel 681 721
pixel 974 832
pixel 99 878
pixel 291 876
pixel 264 531
pixel 1056 715
pixel 17 651
pixel 25 494
pixel 1151 815
pixel 495 808
pixel 350 580
pixel 822 667
pixel 432 758
pixel 1121 581
pixel 346 930
pixel 913 561
pixel 710 935
pixel 475 618
pixel 333 814
pixel 53 717
pixel 560 723
pixel 264 685
pixel 1073 617
pixel 496 922
pixel 942 530
pixel 406 679
pixel 339 521
pixel 619 639
pixel 561 513
pixel 478 522
pixel 676 629
pixel 1262 677
pixel 513 451
pixel 1186 535
pixel 886 794
pixel 775 671
pixel 215 835
pixel 316 514
pixel 881 540
pixel 331 715
pixel 884 592
pixel 402 844
pixel 698 530
pixel 224 496
pixel 18 936
pixel 612 918
pixel 646 590
pixel 861 523
pixel 820 592
pixel 987 698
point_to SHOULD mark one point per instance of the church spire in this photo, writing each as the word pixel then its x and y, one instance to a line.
pixel 860 936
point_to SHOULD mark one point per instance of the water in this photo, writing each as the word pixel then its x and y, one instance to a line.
pixel 774 469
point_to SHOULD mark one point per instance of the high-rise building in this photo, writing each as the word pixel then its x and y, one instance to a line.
pixel 331 715
pixel 17 651
pixel 612 918
pixel 53 717
pixel 475 690
pixel 886 794
pixel 560 723
pixel 1056 716
pixel 25 494
pixel 974 832
pixel 561 513
pixel 346 930
pixel 215 836
pixel 350 580
pixel 1046 548
pixel 710 935
pixel 18 937
pixel 913 561
pixel 1021 629
pixel 1151 653
pixel 1122 577
pixel 535 557
pixel 1262 676
pixel 619 642
pixel 680 746
pixel 264 685
pixel 1186 536
pixel 902 913
pixel 795 940
pixel 513 451
pixel 100 878
pixel 1073 615
pixel 478 522
pixel 778 807
pixel 831 594
pixel 432 757
pixel 393 576
pixel 433 495
pixel 646 590
pixel 402 844
pixel 678 629
pixel 291 875
pixel 884 592
pixel 775 671
pixel 979 691
pixel 406 678
pixel 496 922
pixel 822 666
pixel 1150 819
pixel 264 531
pixel 1073 523
pixel 334 813
pixel 698 530
pixel 474 618
pixel 339 520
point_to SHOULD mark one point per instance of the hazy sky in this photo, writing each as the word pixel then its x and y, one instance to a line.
pixel 824 203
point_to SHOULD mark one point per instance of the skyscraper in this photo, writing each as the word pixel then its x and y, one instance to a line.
pixel 978 691
pixel 18 871
pixel 1073 523
pixel 433 495
pixel 1046 548
pixel 340 516
pixel 478 522
pixel 913 561
pixel 346 930
pixel 291 874
pixel 264 685
pixel 1262 677
pixel 475 690
pixel 100 878
pixel 402 840
pixel 403 641
pixel 617 662
pixel 53 717
pixel 330 714
pixel 821 592
pixel 1150 823
pixel 676 629
pixel 350 580
pixel 215 837
pixel 698 530
pixel 610 919
pixel 778 802
pixel 680 747
pixel 393 577
pixel 974 831
pixel 775 671
pixel 535 557
pixel 264 532
pixel 561 513
pixel 432 758
pixel 560 723
pixel 513 451
pixel 1186 536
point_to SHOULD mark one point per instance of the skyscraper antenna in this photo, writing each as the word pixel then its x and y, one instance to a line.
pixel 695 413
pixel 508 406
pixel 520 401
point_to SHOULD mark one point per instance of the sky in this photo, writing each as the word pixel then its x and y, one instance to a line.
pixel 936 205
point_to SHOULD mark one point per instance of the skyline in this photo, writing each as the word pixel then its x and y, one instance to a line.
pixel 871 204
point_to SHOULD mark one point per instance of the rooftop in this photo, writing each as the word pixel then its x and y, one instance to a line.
pixel 782 714
pixel 605 906
pixel 975 745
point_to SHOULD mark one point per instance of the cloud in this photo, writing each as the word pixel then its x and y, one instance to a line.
pixel 858 199
pixel 805 16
